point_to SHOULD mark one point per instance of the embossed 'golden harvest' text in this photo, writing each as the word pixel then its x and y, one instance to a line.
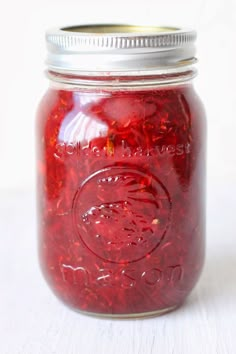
pixel 87 149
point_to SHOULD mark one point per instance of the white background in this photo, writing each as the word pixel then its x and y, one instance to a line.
pixel 31 320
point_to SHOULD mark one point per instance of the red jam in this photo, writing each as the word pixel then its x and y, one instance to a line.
pixel 121 197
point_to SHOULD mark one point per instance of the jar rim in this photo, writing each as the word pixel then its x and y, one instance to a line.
pixel 102 48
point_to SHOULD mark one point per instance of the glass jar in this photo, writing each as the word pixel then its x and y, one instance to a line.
pixel 121 169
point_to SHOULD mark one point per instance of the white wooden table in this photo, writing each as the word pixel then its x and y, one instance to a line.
pixel 33 321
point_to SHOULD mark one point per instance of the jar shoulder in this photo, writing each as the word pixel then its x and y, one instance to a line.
pixel 85 115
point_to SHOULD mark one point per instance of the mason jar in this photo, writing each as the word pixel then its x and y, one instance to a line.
pixel 121 169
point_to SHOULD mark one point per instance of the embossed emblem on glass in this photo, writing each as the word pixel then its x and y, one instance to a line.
pixel 121 214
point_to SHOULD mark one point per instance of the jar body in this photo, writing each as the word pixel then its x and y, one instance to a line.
pixel 121 197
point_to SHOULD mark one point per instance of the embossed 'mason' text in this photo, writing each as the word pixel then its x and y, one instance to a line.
pixel 126 278
pixel 65 149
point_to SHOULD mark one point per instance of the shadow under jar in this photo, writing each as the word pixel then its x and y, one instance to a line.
pixel 121 169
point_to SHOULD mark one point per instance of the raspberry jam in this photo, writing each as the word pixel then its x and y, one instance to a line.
pixel 121 197
pixel 121 169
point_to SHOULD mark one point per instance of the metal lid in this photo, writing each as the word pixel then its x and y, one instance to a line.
pixel 107 48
